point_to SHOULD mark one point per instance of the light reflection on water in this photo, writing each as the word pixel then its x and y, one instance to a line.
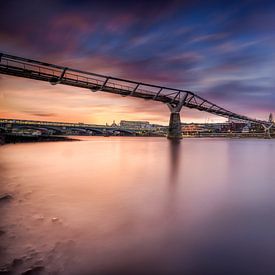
pixel 140 206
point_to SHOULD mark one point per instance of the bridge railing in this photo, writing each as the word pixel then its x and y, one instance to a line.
pixel 95 81
pixel 83 78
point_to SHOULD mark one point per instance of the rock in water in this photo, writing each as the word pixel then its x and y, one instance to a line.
pixel 17 262
pixel 55 219
pixel 5 197
pixel 34 270
pixel 5 269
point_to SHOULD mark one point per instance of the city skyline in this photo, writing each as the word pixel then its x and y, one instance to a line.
pixel 222 51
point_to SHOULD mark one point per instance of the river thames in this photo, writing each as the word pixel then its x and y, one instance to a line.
pixel 128 205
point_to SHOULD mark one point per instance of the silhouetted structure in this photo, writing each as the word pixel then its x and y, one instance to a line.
pixel 174 98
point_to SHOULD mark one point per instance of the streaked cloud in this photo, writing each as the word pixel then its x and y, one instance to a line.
pixel 223 50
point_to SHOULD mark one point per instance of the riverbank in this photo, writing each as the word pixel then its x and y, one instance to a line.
pixel 11 138
pixel 231 136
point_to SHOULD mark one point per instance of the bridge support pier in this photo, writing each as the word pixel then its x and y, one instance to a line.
pixel 174 130
pixel 267 134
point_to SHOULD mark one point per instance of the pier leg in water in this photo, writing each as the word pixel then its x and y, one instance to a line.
pixel 267 131
pixel 174 130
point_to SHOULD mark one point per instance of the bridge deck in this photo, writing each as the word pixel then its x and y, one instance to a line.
pixel 27 68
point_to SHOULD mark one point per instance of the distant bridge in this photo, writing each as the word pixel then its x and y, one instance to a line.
pixel 61 128
pixel 174 98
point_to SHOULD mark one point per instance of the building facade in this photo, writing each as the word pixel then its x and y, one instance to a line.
pixel 135 124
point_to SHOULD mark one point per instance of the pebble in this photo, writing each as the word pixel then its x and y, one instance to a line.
pixel 34 270
pixel 38 217
pixel 5 269
pixel 17 262
pixel 5 197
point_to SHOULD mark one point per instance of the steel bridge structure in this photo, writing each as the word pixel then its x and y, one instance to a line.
pixel 176 99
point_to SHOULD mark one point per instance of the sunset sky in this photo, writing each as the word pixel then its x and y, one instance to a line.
pixel 222 50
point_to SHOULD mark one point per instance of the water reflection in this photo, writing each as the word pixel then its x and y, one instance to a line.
pixel 173 180
pixel 140 206
pixel 175 153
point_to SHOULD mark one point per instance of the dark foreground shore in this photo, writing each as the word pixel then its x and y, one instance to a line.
pixel 9 138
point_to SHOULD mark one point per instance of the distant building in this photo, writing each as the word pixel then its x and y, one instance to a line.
pixel 245 129
pixel 234 120
pixel 157 127
pixel 134 124
pixel 193 128
pixel 196 128
pixel 114 124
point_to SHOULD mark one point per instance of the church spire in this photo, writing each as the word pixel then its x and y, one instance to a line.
pixel 270 119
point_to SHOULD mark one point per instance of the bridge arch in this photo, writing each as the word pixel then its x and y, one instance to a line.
pixel 129 132
pixel 44 129
pixel 2 130
pixel 98 131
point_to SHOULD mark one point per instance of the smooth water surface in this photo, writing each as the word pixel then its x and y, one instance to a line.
pixel 126 205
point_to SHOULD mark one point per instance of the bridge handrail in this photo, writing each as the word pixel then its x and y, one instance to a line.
pixel 32 61
pixel 56 73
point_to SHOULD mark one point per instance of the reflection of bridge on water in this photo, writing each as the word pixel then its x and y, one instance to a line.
pixel 174 98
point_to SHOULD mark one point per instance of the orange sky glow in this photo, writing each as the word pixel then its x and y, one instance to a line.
pixel 33 100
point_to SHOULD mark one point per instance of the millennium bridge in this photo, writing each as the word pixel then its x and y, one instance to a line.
pixel 175 99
